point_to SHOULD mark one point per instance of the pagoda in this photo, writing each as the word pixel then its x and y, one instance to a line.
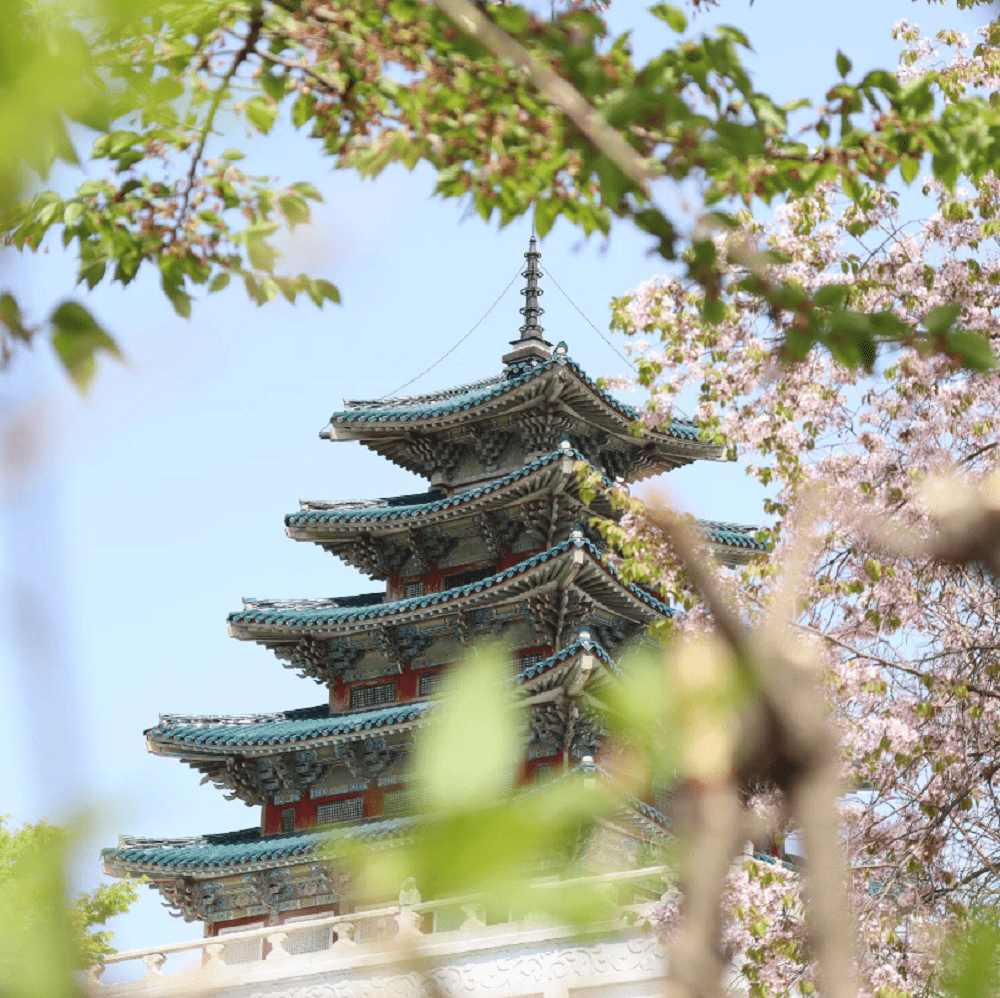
pixel 500 545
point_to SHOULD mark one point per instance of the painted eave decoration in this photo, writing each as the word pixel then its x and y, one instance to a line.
pixel 198 736
pixel 517 387
pixel 263 619
pixel 247 850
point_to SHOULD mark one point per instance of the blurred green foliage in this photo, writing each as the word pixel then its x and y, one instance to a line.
pixel 45 935
pixel 159 87
pixel 479 833
pixel 972 964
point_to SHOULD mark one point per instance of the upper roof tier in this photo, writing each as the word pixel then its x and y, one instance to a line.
pixel 534 506
pixel 473 432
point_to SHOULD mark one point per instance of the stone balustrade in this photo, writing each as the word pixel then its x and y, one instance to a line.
pixel 370 949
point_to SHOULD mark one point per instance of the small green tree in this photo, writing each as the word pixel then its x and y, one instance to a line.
pixel 46 934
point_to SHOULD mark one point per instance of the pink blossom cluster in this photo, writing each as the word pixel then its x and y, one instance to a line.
pixel 910 648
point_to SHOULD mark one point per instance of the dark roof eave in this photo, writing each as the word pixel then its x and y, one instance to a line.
pixel 250 623
pixel 491 394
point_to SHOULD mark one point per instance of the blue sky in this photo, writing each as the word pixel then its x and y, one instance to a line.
pixel 138 517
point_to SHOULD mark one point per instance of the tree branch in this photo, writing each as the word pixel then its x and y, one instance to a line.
pixel 562 94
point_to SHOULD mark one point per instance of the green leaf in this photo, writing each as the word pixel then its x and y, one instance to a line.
pixel 941 319
pixel 407 10
pixel 262 255
pixel 10 315
pixel 302 109
pixel 546 212
pixel 261 113
pixel 973 350
pixel 467 755
pixel 307 191
pixel 73 213
pixel 274 85
pixel 830 296
pixel 843 64
pixel 909 168
pixel 220 281
pixel 77 337
pixel 327 291
pixel 233 154
pixel 294 208
pixel 674 16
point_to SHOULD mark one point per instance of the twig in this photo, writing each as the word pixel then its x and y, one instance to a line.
pixel 608 140
pixel 256 24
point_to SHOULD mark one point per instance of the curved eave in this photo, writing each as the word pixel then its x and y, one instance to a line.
pixel 666 449
pixel 573 666
pixel 290 621
pixel 555 472
pixel 197 739
pixel 211 738
pixel 247 851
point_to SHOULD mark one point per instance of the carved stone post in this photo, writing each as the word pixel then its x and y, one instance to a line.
pixel 472 921
pixel 154 962
pixel 277 940
pixel 345 937
pixel 215 951
pixel 407 919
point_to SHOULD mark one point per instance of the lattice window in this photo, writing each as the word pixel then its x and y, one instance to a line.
pixel 469 576
pixel 374 695
pixel 367 930
pixel 413 589
pixel 405 800
pixel 429 682
pixel 242 950
pixel 525 543
pixel 345 809
pixel 288 819
pixel 531 658
pixel 306 940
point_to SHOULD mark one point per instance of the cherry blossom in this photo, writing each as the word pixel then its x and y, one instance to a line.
pixel 911 648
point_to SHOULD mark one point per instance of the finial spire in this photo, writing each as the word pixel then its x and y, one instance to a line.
pixel 531 345
pixel 532 311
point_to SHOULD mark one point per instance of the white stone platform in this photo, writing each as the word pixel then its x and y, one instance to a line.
pixel 526 959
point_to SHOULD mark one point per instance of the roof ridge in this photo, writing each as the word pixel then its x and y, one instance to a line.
pixel 368 410
pixel 373 509
pixel 576 539
pixel 282 730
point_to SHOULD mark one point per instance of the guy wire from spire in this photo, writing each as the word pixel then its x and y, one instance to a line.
pixel 426 370
pixel 551 276
pixel 548 273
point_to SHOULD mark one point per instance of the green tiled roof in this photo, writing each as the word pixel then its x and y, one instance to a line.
pixel 308 723
pixel 580 645
pixel 281 728
pixel 732 534
pixel 246 847
pixel 398 507
pixel 312 613
pixel 463 397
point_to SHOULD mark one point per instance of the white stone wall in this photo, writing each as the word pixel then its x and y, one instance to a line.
pixel 506 961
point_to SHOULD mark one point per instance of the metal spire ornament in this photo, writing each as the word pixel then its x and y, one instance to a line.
pixel 532 311
pixel 531 345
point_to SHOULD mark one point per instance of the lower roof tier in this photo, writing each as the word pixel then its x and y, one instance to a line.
pixel 245 874
pixel 258 757
pixel 261 619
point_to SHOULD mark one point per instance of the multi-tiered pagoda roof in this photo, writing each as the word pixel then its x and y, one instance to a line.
pixel 500 545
